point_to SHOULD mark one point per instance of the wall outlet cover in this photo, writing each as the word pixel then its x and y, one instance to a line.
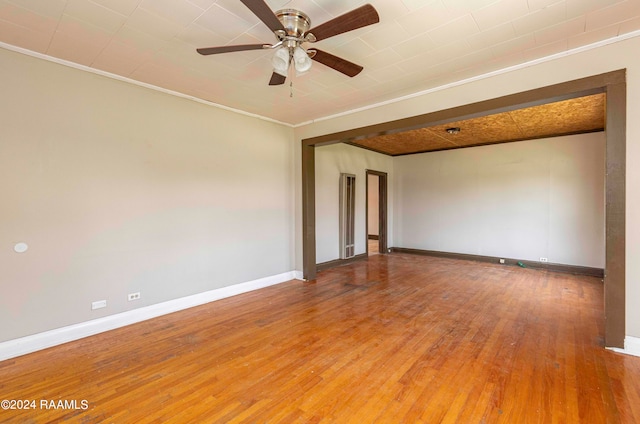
pixel 99 304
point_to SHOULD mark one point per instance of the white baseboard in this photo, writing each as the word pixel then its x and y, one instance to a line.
pixel 33 343
pixel 631 346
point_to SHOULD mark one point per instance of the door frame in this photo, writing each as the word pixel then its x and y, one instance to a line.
pixel 612 83
pixel 382 210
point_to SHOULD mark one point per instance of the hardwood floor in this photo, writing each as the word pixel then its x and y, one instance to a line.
pixel 373 247
pixel 394 339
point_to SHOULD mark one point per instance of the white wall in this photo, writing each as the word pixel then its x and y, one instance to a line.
pixel 331 161
pixel 525 200
pixel 586 62
pixel 119 189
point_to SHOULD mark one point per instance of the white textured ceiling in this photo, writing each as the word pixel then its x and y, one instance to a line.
pixel 418 45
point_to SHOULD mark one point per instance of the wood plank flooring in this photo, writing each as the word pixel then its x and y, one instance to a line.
pixel 373 247
pixel 395 339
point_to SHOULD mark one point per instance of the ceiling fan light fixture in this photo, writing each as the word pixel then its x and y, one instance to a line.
pixel 280 61
pixel 301 60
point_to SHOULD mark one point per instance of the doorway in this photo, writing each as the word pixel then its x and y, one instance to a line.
pixel 376 210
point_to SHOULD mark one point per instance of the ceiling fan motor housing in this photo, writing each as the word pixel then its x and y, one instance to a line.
pixel 295 23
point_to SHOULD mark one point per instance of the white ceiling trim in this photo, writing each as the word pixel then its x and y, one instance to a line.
pixel 523 65
pixel 134 82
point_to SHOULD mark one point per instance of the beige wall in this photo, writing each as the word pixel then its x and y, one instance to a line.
pixel 119 189
pixel 583 64
pixel 331 161
pixel 525 200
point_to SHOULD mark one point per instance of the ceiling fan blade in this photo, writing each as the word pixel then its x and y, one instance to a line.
pixel 357 18
pixel 277 79
pixel 227 49
pixel 264 13
pixel 341 65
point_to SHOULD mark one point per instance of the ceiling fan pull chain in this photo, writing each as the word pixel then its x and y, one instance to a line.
pixel 291 89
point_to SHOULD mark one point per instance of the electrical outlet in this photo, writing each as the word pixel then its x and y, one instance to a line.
pixel 544 260
pixel 98 304
pixel 133 296
pixel 501 260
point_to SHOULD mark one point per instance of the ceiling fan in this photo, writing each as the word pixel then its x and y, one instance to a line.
pixel 292 29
